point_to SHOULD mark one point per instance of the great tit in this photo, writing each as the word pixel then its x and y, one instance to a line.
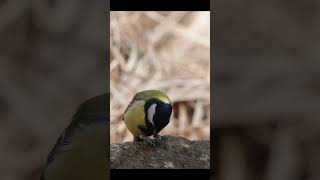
pixel 81 152
pixel 147 114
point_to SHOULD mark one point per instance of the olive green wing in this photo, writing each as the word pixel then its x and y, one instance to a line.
pixel 92 111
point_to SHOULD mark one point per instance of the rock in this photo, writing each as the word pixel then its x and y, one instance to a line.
pixel 173 152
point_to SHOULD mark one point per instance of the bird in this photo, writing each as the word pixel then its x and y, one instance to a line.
pixel 146 115
pixel 81 152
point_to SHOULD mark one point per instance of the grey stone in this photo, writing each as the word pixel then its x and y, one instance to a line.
pixel 172 153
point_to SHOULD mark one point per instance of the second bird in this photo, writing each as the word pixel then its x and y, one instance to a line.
pixel 147 114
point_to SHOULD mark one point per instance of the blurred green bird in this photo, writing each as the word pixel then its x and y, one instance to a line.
pixel 81 152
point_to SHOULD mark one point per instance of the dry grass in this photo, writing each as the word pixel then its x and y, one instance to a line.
pixel 169 51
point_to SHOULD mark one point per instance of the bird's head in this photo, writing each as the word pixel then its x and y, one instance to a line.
pixel 158 108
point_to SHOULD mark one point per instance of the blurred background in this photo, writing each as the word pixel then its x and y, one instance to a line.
pixel 52 58
pixel 267 90
pixel 168 51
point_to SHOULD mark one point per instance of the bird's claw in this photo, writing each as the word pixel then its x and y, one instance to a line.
pixel 150 141
pixel 158 138
pixel 153 140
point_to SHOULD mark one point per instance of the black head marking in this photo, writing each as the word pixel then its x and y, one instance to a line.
pixel 161 117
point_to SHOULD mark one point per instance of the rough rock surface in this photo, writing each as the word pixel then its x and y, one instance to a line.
pixel 173 152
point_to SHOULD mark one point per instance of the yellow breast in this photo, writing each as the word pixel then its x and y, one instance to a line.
pixel 135 117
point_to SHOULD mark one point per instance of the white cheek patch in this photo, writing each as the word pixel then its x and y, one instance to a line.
pixel 151 112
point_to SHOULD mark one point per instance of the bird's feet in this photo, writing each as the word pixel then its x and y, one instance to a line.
pixel 153 140
pixel 158 138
